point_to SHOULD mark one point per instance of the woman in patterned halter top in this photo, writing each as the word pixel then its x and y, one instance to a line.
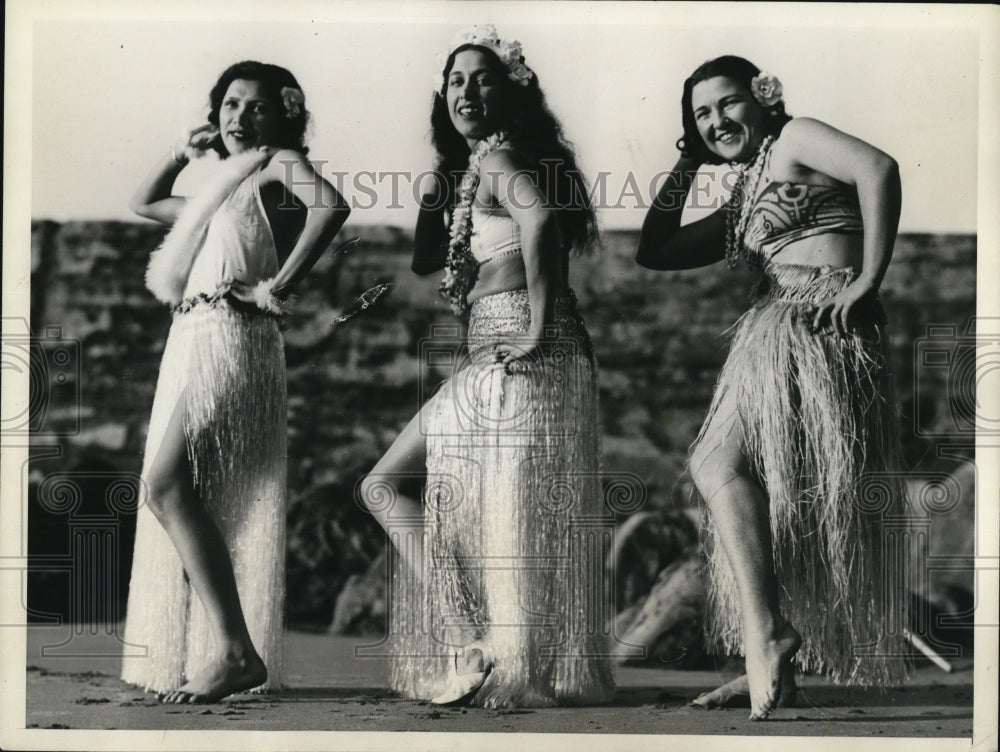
pixel 803 417
pixel 207 589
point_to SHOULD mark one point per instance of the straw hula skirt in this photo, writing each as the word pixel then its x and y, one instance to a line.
pixel 820 432
pixel 225 368
pixel 515 537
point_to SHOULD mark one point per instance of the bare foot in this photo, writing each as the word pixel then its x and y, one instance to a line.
pixel 736 693
pixel 470 668
pixel 221 678
pixel 766 661
pixel 472 659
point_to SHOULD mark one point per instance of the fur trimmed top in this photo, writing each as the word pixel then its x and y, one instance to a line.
pixel 222 234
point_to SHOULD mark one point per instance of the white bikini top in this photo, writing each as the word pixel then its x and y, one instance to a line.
pixel 493 235
pixel 238 244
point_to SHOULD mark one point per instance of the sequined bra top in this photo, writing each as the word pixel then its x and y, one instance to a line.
pixel 493 235
pixel 786 212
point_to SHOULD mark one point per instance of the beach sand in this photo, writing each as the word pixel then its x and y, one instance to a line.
pixel 329 688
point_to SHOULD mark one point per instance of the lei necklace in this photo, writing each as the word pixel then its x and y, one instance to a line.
pixel 461 269
pixel 741 201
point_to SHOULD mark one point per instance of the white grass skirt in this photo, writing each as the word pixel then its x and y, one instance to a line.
pixel 227 370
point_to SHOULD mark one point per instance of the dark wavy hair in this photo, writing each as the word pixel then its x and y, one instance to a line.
pixel 273 78
pixel 535 133
pixel 737 69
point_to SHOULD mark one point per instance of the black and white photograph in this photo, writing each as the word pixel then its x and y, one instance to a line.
pixel 459 374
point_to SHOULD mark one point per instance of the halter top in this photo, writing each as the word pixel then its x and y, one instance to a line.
pixel 786 212
pixel 493 235
pixel 238 243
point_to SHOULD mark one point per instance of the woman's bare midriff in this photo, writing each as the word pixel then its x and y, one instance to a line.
pixel 499 275
pixel 829 249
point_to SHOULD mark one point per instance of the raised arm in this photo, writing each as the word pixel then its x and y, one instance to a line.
pixel 326 213
pixel 810 144
pixel 430 239
pixel 663 243
pixel 153 198
pixel 540 242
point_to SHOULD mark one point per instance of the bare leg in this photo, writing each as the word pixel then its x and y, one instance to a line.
pixel 205 556
pixel 382 492
pixel 402 517
pixel 740 512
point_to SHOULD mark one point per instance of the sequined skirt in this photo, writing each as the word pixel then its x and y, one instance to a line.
pixel 514 536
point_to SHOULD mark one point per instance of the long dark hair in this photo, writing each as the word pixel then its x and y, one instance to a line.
pixel 536 134
pixel 273 78
pixel 737 69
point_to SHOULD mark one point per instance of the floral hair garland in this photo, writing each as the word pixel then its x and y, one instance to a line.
pixel 486 36
pixel 461 268
pixel 292 99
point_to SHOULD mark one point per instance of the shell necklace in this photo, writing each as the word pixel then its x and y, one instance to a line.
pixel 738 207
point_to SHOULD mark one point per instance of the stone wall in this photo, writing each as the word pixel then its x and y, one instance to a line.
pixel 353 387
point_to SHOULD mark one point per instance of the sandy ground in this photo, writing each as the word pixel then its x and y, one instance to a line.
pixel 332 689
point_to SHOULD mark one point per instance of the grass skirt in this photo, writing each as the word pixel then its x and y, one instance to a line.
pixel 820 433
pixel 515 539
pixel 226 370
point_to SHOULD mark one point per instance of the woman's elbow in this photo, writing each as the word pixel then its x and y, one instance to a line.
pixel 539 228
pixel 890 168
pixel 341 213
pixel 336 211
pixel 139 206
pixel 647 253
pixel 642 257
pixel 886 169
pixel 423 267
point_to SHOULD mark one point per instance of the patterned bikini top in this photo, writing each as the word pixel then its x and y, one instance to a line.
pixel 786 212
pixel 493 235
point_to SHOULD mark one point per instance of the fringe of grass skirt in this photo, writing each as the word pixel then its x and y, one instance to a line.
pixel 820 431
pixel 226 370
pixel 515 535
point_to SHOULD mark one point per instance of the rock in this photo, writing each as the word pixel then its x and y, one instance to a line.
pixel 360 607
pixel 644 545
pixel 675 604
pixel 330 537
pixel 942 510
pixel 110 436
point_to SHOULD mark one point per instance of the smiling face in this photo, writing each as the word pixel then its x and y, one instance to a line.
pixel 247 118
pixel 474 93
pixel 728 118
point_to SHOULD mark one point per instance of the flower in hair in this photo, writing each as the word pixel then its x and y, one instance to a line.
pixel 485 35
pixel 766 89
pixel 293 99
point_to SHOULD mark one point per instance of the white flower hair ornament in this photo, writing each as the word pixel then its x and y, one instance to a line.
pixel 485 35
pixel 766 89
pixel 292 99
